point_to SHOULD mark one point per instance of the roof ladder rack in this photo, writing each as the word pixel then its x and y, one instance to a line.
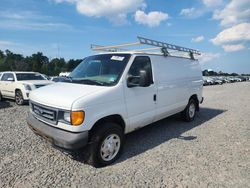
pixel 162 46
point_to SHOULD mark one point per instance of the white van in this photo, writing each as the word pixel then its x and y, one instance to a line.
pixel 111 94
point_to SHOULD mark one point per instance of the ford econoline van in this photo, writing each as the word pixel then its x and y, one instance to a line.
pixel 111 94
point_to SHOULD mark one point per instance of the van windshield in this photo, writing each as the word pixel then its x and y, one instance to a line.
pixel 104 70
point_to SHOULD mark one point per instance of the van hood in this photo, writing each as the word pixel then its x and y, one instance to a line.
pixel 62 95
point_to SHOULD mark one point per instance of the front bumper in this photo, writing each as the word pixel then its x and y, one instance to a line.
pixel 58 137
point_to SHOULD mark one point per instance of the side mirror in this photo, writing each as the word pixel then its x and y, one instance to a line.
pixel 10 79
pixel 144 79
pixel 141 81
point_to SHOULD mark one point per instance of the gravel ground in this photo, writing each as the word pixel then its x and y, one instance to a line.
pixel 212 151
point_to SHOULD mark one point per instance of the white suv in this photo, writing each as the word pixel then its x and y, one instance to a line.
pixel 18 85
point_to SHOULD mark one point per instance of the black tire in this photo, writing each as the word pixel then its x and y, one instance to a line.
pixel 97 141
pixel 1 97
pixel 187 115
pixel 19 98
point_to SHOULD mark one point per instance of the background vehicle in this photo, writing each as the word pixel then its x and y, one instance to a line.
pixel 208 81
pixel 17 85
pixel 217 81
pixel 59 79
pixel 112 94
pixel 45 76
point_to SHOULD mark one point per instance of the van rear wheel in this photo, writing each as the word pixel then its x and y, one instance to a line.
pixel 106 144
pixel 190 111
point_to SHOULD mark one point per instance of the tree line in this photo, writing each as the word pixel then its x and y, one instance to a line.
pixel 37 62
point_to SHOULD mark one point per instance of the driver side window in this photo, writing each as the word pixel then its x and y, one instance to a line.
pixel 141 63
pixel 6 76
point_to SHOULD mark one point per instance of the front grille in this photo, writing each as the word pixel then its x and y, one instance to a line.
pixel 40 85
pixel 45 113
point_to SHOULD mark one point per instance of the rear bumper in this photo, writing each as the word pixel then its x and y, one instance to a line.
pixel 58 137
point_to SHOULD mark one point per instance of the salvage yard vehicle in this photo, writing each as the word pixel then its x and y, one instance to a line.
pixel 207 81
pixel 217 81
pixel 114 93
pixel 59 78
pixel 18 85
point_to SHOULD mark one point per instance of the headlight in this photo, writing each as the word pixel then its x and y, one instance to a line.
pixel 66 116
pixel 74 118
pixel 27 87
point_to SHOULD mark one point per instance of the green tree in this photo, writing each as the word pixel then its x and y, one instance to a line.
pixel 72 64
pixel 38 60
pixel 58 65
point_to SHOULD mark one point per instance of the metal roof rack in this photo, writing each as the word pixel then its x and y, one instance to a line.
pixel 162 46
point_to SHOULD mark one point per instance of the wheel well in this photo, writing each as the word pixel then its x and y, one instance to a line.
pixel 17 90
pixel 112 118
pixel 195 97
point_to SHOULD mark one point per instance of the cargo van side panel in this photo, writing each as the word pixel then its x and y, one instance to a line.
pixel 177 78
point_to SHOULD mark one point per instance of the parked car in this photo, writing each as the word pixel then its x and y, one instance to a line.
pixel 112 94
pixel 243 79
pixel 45 76
pixel 227 80
pixel 217 81
pixel 223 79
pixel 18 85
pixel 231 79
pixel 207 81
pixel 237 79
pixel 59 79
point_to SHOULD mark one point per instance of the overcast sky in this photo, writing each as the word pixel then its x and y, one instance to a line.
pixel 66 28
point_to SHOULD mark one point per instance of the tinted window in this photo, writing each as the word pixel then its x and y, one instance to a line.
pixel 55 79
pixel 6 76
pixel 141 63
pixel 29 76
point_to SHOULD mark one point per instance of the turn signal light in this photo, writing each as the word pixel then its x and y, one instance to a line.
pixel 77 117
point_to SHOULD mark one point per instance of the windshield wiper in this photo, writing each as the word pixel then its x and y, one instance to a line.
pixel 69 77
pixel 91 82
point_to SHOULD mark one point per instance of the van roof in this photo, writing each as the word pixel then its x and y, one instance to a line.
pixel 147 53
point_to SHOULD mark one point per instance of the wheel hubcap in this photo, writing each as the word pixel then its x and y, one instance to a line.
pixel 110 147
pixel 191 110
pixel 19 98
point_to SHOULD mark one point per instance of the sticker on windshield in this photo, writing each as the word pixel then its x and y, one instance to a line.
pixel 112 79
pixel 117 58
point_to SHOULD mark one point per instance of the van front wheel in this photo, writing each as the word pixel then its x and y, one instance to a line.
pixel 189 113
pixel 106 144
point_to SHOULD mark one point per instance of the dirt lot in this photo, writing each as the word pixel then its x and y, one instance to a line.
pixel 212 151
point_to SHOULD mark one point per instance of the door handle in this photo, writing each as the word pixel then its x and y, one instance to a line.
pixel 154 97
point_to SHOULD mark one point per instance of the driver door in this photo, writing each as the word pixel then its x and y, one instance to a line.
pixel 140 101
pixel 7 86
